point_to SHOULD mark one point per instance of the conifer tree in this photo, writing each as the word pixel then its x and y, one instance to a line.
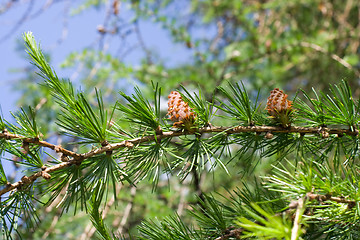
pixel 309 145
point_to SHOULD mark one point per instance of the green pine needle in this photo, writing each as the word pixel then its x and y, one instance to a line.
pixel 240 107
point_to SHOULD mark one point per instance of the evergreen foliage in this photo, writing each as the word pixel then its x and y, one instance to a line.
pixel 96 158
pixel 310 190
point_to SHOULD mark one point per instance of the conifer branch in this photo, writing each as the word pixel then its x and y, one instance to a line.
pixel 28 180
pixel 231 233
pixel 78 158
pixel 328 197
pixel 8 136
pixel 300 207
pixel 297 221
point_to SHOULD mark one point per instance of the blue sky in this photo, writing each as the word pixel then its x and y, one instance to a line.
pixel 48 27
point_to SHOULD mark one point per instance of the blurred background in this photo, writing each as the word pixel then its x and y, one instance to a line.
pixel 113 45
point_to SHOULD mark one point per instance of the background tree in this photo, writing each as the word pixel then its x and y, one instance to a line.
pixel 262 43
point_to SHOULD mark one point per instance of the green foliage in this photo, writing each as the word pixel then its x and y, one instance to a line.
pixel 27 123
pixel 313 113
pixel 211 219
pixel 251 45
pixel 78 117
pixel 266 225
pixel 171 228
pixel 338 107
pixel 77 189
pixel 96 218
pixel 241 107
pixel 140 112
pixel 3 179
pixel 341 105
pixel 18 205
pixel 149 161
pixel 82 121
pixel 203 109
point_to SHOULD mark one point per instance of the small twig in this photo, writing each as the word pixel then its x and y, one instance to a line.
pixel 298 215
pixel 231 233
pixel 6 135
pixel 332 55
pixel 219 35
pixel 182 199
pixel 127 210
pixel 90 229
pixel 300 207
pixel 50 209
pixel 52 226
pixel 320 197
pixel 21 21
pixel 142 43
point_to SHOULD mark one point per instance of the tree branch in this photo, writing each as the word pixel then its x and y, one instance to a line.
pixel 300 207
pixel 332 55
pixel 320 197
pixel 78 158
pixel 298 215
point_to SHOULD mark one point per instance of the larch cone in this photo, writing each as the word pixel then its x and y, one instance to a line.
pixel 279 107
pixel 179 111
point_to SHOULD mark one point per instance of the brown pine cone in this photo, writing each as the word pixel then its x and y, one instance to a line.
pixel 179 111
pixel 279 107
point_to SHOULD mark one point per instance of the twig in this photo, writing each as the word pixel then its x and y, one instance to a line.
pixel 298 215
pixel 50 209
pixel 181 204
pixel 127 210
pixel 231 233
pixel 78 158
pixel 52 226
pixel 197 187
pixel 142 43
pixel 320 197
pixel 218 37
pixel 90 229
pixel 332 55
pixel 6 135
pixel 23 18
pixel 300 207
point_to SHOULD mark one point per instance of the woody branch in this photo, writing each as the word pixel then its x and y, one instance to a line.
pixel 77 158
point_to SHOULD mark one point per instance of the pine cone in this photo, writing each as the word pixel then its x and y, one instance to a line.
pixel 279 108
pixel 179 111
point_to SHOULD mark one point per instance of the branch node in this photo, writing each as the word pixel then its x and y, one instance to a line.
pixel 6 132
pixel 356 131
pixel 77 160
pixel 64 158
pixel 293 204
pixel 129 145
pixel 25 146
pixel 25 180
pixel 104 143
pixel 45 175
pixel 324 132
pixel 57 148
pixel 269 135
pixel 158 131
pixel 351 205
